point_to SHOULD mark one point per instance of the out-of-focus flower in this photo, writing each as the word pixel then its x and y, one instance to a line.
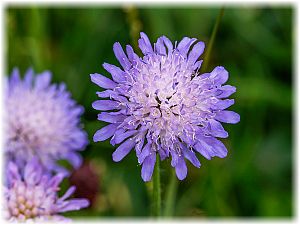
pixel 86 181
pixel 31 195
pixel 159 103
pixel 41 120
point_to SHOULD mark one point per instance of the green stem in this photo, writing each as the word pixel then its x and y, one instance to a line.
pixel 211 41
pixel 36 37
pixel 135 24
pixel 171 195
pixel 156 189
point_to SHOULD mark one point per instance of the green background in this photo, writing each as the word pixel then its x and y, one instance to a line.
pixel 253 43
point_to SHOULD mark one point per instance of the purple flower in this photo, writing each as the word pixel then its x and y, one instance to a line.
pixel 159 103
pixel 32 195
pixel 41 119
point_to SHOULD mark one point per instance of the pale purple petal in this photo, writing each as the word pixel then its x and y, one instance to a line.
pixel 122 136
pixel 145 152
pixel 131 55
pixel 28 78
pixel 214 147
pixel 226 91
pixel 144 44
pixel 168 43
pixel 13 172
pixel 74 204
pixel 195 53
pixel 102 81
pixel 105 132
pixel 219 75
pixel 148 166
pixel 228 117
pixel 159 47
pixel 181 169
pixel 117 74
pixel 107 117
pixel 15 78
pixel 185 44
pixel 121 56
pixel 43 80
pixel 123 150
pixel 190 155
pixel 105 105
pixel 105 94
pixel 33 172
pixel 216 129
pixel 223 104
pixel 68 193
pixel 75 159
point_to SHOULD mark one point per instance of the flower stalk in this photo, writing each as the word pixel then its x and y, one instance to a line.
pixel 171 195
pixel 156 189
pixel 212 39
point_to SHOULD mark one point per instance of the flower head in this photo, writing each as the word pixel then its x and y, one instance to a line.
pixel 159 103
pixel 41 120
pixel 32 195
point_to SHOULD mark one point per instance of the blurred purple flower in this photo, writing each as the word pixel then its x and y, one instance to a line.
pixel 32 195
pixel 41 120
pixel 161 104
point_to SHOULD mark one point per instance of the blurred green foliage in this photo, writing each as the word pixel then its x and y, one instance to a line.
pixel 253 43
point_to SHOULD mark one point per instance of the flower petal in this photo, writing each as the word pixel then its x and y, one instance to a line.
pixel 119 137
pixel 73 204
pixel 190 155
pixel 219 75
pixel 205 151
pixel 148 166
pixel 107 117
pixel 181 169
pixel 32 172
pixel 226 91
pixel 145 152
pixel 228 117
pixel 102 81
pixel 105 94
pixel 216 129
pixel 28 78
pixel 195 53
pixel 105 105
pixel 159 47
pixel 14 78
pixel 55 181
pixel 13 171
pixel 68 193
pixel 223 104
pixel 168 43
pixel 132 56
pixel 145 44
pixel 117 74
pixel 123 150
pixel 43 80
pixel 75 159
pixel 185 44
pixel 212 147
pixel 105 132
pixel 121 56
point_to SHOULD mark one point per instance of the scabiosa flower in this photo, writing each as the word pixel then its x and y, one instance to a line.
pixel 31 195
pixel 41 120
pixel 159 103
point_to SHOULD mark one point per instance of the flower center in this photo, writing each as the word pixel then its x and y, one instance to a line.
pixel 161 96
pixel 28 202
pixel 32 122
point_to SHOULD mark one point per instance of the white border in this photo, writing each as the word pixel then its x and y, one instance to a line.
pixel 296 100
